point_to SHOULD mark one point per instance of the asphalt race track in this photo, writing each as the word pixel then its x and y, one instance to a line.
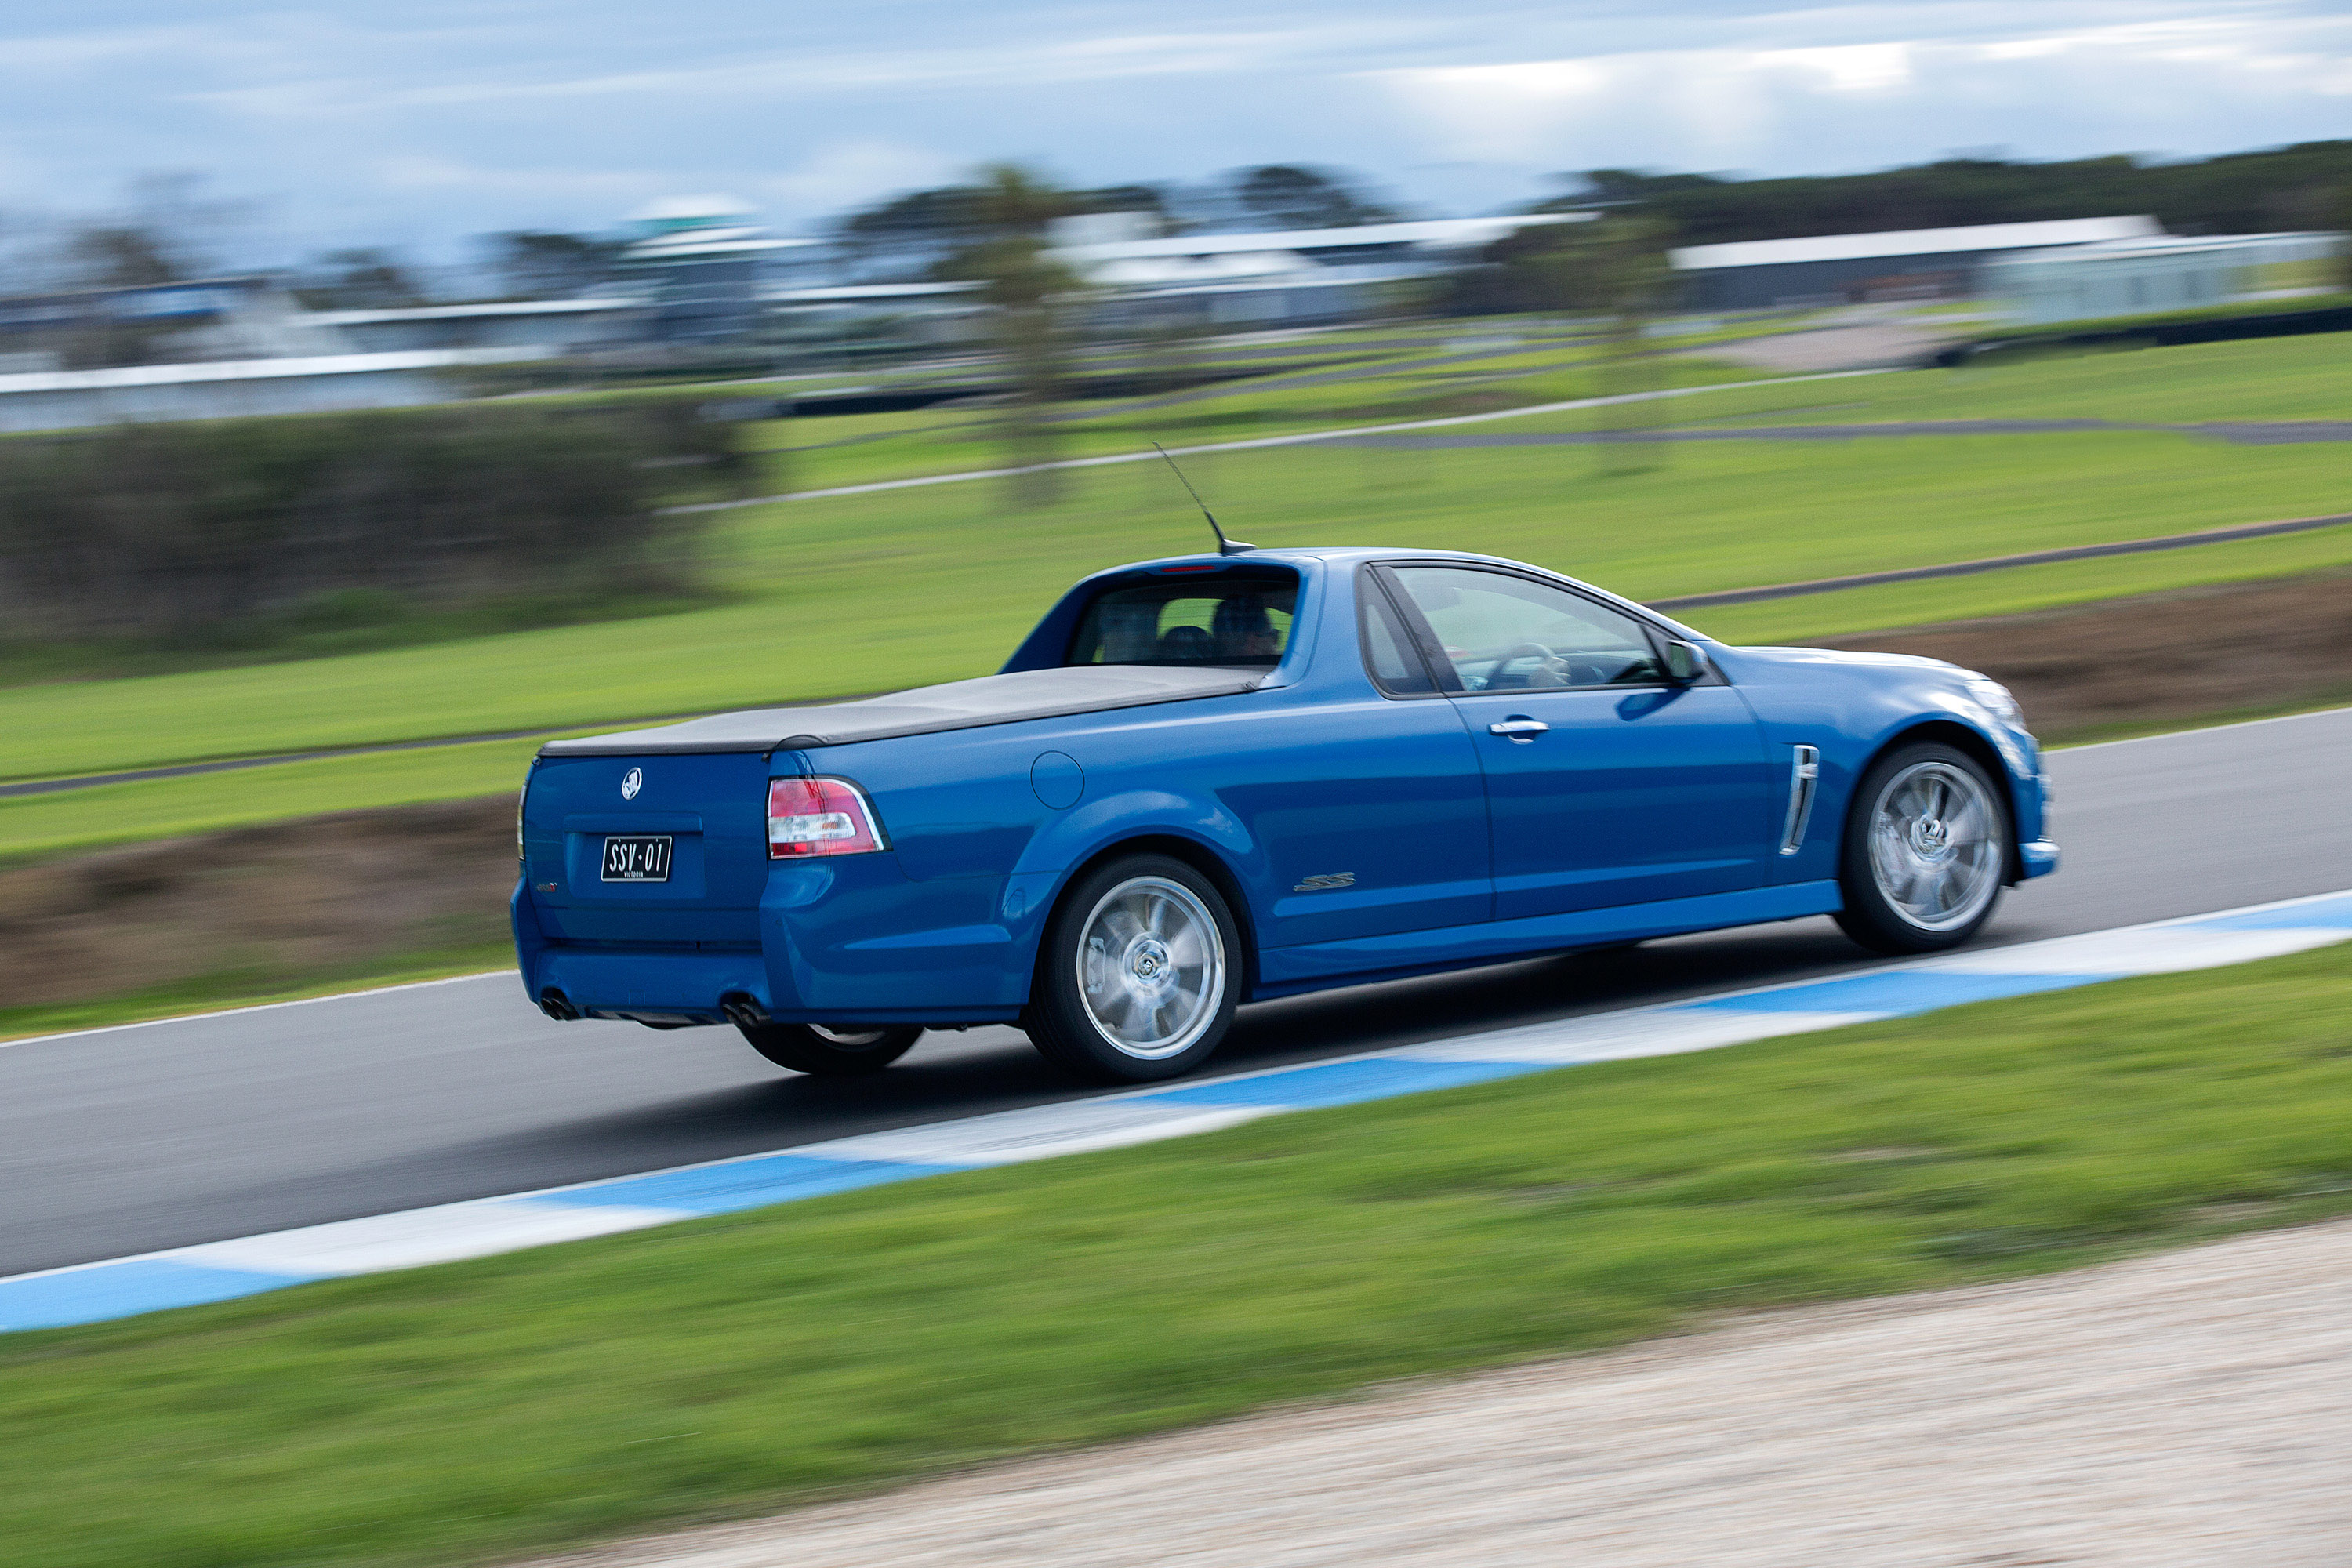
pixel 198 1130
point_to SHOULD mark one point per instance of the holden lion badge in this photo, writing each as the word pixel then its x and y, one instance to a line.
pixel 631 782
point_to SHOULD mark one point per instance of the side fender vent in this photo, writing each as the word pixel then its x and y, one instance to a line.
pixel 1804 779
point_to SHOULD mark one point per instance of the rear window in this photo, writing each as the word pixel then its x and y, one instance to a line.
pixel 1230 617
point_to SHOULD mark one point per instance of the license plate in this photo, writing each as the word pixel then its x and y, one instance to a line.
pixel 640 857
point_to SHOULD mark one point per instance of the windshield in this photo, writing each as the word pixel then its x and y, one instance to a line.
pixel 1232 618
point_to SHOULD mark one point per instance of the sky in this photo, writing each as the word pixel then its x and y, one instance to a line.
pixel 416 125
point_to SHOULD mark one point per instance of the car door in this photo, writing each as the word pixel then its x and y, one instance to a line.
pixel 1367 797
pixel 1607 782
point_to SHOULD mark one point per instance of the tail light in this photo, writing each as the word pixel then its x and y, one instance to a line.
pixel 819 817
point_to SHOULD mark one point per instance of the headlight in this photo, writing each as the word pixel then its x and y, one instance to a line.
pixel 1997 701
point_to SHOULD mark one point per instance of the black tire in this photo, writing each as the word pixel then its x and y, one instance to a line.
pixel 831 1050
pixel 1884 911
pixel 1079 1030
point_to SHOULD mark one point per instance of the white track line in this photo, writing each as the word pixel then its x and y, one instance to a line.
pixel 1255 443
pixel 2206 729
pixel 259 1007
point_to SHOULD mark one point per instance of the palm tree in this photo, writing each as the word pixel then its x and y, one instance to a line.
pixel 1026 285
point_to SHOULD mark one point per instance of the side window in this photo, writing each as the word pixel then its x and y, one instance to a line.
pixel 1505 632
pixel 1389 653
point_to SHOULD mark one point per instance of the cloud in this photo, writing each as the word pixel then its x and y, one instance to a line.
pixel 842 173
pixel 438 118
pixel 1833 106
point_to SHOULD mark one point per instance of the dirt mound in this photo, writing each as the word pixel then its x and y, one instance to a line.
pixel 2157 657
pixel 278 903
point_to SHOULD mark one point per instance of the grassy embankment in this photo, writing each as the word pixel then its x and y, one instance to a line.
pixel 482 1409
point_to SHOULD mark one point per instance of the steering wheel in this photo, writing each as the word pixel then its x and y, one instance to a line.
pixel 1552 665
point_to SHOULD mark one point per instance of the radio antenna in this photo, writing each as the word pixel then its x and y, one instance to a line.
pixel 1224 546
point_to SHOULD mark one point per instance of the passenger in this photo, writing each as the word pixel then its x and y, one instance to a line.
pixel 1188 645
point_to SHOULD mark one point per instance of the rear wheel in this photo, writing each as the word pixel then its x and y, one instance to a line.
pixel 1140 973
pixel 831 1050
pixel 1926 850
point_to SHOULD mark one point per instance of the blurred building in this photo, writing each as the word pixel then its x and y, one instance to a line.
pixel 195 319
pixel 701 265
pixel 209 348
pixel 1292 278
pixel 879 315
pixel 223 389
pixel 2161 272
pixel 549 326
pixel 1908 264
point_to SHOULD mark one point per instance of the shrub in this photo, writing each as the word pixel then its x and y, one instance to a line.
pixel 184 533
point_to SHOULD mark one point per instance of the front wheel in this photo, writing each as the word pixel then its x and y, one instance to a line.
pixel 1138 975
pixel 1925 849
pixel 828 1050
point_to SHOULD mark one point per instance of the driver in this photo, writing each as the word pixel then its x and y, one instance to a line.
pixel 1244 630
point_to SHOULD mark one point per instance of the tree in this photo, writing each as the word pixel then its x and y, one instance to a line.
pixel 165 233
pixel 362 278
pixel 1613 267
pixel 1009 209
pixel 1290 195
pixel 913 235
pixel 2237 193
pixel 122 256
pixel 909 234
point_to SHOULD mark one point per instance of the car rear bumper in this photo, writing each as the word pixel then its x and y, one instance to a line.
pixel 803 968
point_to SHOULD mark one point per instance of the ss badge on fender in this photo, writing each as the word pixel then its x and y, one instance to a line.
pixel 1326 882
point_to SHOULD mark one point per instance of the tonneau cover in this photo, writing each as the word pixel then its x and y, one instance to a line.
pixel 925 711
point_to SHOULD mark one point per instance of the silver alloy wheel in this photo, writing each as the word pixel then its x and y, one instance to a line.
pixel 1151 967
pixel 1935 846
pixel 849 1039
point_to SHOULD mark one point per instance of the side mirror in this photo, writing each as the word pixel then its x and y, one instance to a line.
pixel 1686 662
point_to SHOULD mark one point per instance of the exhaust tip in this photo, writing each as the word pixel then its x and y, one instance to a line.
pixel 743 1012
pixel 557 1005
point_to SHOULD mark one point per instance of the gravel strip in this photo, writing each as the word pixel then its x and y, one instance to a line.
pixel 1870 343
pixel 2189 1409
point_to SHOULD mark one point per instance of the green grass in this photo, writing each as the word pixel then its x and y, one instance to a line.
pixel 249 987
pixel 820 454
pixel 477 1410
pixel 44 824
pixel 360 621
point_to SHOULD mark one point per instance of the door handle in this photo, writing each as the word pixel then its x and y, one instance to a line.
pixel 1519 732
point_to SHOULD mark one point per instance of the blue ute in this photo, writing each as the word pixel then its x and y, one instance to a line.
pixel 1214 779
